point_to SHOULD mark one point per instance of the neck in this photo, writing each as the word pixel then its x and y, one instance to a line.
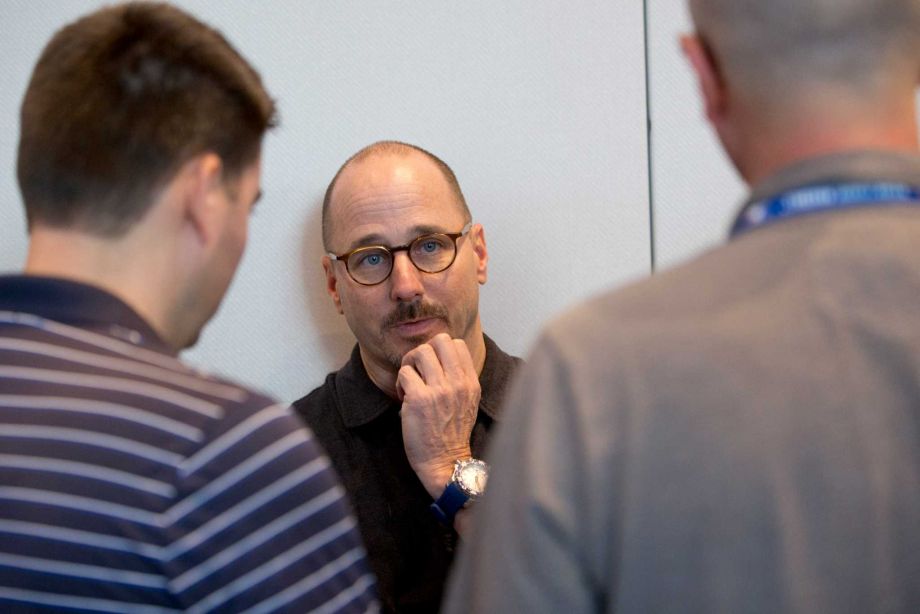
pixel 782 141
pixel 384 376
pixel 113 265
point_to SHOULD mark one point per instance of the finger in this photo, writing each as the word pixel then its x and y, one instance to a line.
pixel 424 360
pixel 449 354
pixel 465 358
pixel 407 381
pixel 413 356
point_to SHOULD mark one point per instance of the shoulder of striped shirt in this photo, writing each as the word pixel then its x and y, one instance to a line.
pixel 87 347
pixel 234 410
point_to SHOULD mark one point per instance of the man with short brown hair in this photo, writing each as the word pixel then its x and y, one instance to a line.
pixel 130 482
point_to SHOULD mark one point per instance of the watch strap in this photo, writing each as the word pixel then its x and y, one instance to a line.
pixel 449 503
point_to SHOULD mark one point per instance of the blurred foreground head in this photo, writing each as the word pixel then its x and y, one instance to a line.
pixel 141 134
pixel 118 101
pixel 830 74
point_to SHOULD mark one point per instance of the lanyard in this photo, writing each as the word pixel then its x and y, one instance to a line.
pixel 824 197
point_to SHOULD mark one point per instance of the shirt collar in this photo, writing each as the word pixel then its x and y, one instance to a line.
pixel 80 305
pixel 495 378
pixel 360 401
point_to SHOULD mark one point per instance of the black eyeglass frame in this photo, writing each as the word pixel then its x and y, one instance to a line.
pixel 453 236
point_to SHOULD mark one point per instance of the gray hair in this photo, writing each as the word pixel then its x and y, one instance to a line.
pixel 774 47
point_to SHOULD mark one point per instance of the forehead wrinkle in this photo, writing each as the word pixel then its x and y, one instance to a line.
pixel 376 201
pixel 372 215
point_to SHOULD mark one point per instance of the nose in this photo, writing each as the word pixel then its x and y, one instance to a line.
pixel 405 279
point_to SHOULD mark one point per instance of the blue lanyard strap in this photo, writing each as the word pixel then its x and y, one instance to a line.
pixel 824 197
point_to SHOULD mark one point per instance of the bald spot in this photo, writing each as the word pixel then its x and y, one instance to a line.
pixel 784 47
pixel 383 149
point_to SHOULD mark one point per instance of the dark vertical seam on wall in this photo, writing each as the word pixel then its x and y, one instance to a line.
pixel 648 136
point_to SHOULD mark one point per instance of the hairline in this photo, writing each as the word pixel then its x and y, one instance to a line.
pixel 381 149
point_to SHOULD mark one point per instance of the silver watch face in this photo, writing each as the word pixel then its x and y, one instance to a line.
pixel 471 475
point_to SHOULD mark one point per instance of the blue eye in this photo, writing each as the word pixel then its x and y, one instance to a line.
pixel 368 259
pixel 430 246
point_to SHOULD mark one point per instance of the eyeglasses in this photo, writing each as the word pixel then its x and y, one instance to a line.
pixel 431 253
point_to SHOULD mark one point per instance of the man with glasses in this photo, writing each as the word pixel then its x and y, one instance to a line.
pixel 406 419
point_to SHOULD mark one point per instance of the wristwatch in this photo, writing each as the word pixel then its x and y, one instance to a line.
pixel 467 483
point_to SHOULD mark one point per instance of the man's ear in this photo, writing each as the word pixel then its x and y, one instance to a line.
pixel 332 283
pixel 709 76
pixel 205 202
pixel 478 240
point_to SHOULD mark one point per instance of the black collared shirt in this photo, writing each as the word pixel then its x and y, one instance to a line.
pixel 359 426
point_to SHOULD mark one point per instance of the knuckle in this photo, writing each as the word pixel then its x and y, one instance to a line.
pixel 409 357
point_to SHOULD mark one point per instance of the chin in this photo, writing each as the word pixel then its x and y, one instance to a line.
pixel 394 352
pixel 417 340
pixel 409 342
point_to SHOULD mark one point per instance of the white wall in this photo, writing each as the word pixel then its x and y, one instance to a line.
pixel 538 105
pixel 695 190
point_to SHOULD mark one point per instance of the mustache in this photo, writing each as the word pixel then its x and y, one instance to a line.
pixel 416 310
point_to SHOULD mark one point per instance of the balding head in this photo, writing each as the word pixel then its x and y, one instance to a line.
pixel 388 148
pixel 772 48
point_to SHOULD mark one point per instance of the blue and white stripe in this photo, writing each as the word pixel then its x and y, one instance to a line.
pixel 127 476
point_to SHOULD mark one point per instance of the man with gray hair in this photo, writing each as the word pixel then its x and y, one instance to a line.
pixel 740 434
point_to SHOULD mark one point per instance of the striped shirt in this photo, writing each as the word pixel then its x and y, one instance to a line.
pixel 132 483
